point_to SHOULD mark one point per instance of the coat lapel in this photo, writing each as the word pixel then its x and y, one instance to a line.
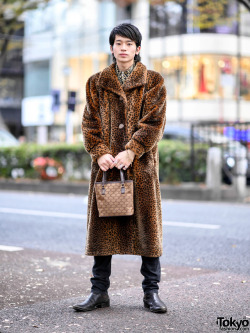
pixel 109 80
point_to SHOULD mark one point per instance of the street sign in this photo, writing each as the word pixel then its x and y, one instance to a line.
pixel 37 111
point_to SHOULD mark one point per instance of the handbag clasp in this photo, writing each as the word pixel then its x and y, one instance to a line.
pixel 103 190
pixel 122 189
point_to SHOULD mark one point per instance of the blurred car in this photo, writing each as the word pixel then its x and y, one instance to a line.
pixel 7 139
pixel 229 147
pixel 180 133
pixel 202 136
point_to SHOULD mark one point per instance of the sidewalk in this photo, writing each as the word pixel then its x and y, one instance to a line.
pixel 40 287
pixel 183 191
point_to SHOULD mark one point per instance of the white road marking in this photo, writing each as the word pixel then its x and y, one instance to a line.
pixel 81 216
pixel 191 225
pixel 10 248
pixel 41 213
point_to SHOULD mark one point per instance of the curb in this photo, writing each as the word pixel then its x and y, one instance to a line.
pixel 183 191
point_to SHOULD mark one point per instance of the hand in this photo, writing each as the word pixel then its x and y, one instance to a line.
pixel 123 160
pixel 105 161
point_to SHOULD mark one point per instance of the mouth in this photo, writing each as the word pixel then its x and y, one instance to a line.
pixel 123 54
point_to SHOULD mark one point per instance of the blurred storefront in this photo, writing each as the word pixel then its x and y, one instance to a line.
pixel 206 63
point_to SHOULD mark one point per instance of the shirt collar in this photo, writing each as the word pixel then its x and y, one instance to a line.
pixel 123 75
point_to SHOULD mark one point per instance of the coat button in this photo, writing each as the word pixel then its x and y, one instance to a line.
pixel 120 98
pixel 121 126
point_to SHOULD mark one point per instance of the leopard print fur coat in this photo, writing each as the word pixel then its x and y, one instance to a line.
pixel 117 117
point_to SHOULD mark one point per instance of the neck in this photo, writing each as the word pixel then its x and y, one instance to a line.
pixel 124 66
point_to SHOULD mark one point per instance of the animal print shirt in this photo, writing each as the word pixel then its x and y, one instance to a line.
pixel 122 76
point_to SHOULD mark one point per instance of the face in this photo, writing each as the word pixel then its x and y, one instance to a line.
pixel 124 50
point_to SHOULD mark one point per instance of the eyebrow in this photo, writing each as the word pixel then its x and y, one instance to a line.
pixel 127 40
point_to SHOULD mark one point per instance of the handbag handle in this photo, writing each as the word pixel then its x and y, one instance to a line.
pixel 104 176
pixel 104 180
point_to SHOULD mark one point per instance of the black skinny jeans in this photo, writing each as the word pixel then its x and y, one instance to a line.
pixel 150 269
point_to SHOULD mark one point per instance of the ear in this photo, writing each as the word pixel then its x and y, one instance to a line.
pixel 111 48
pixel 138 50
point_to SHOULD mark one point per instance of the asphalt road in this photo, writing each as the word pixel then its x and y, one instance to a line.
pixel 218 237
pixel 205 268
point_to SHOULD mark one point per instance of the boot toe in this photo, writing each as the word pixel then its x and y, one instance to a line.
pixel 153 302
pixel 93 302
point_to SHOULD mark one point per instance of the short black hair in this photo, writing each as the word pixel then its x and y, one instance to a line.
pixel 126 30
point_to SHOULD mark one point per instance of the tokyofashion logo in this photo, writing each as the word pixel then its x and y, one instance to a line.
pixel 230 324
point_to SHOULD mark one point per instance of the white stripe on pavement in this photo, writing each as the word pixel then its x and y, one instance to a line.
pixel 10 248
pixel 81 216
pixel 41 213
pixel 191 225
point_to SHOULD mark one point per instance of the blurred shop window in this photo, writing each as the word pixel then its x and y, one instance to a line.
pixel 166 19
pixel 192 16
pixel 200 77
pixel 37 79
pixel 227 76
pixel 170 68
pixel 245 78
pixel 244 21
pixel 209 77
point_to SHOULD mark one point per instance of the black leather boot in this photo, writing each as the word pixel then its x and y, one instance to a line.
pixel 94 301
pixel 153 302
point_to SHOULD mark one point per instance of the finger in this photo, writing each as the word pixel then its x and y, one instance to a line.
pixel 111 163
pixel 104 167
pixel 111 158
pixel 121 166
pixel 116 162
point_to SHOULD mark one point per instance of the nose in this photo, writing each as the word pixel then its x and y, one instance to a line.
pixel 123 47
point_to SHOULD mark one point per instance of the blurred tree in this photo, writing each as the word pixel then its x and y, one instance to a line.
pixel 11 12
pixel 246 3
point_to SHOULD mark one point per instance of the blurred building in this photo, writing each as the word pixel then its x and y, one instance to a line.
pixel 64 45
pixel 207 69
pixel 206 66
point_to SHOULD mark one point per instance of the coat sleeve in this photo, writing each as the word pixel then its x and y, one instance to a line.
pixel 91 123
pixel 151 125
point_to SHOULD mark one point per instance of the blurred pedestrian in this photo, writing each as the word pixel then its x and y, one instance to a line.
pixel 122 123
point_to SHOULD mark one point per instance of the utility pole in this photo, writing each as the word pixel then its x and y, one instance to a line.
pixel 69 113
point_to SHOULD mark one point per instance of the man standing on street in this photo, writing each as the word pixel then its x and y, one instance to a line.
pixel 122 123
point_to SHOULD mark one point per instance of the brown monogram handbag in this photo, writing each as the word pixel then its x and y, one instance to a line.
pixel 114 198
